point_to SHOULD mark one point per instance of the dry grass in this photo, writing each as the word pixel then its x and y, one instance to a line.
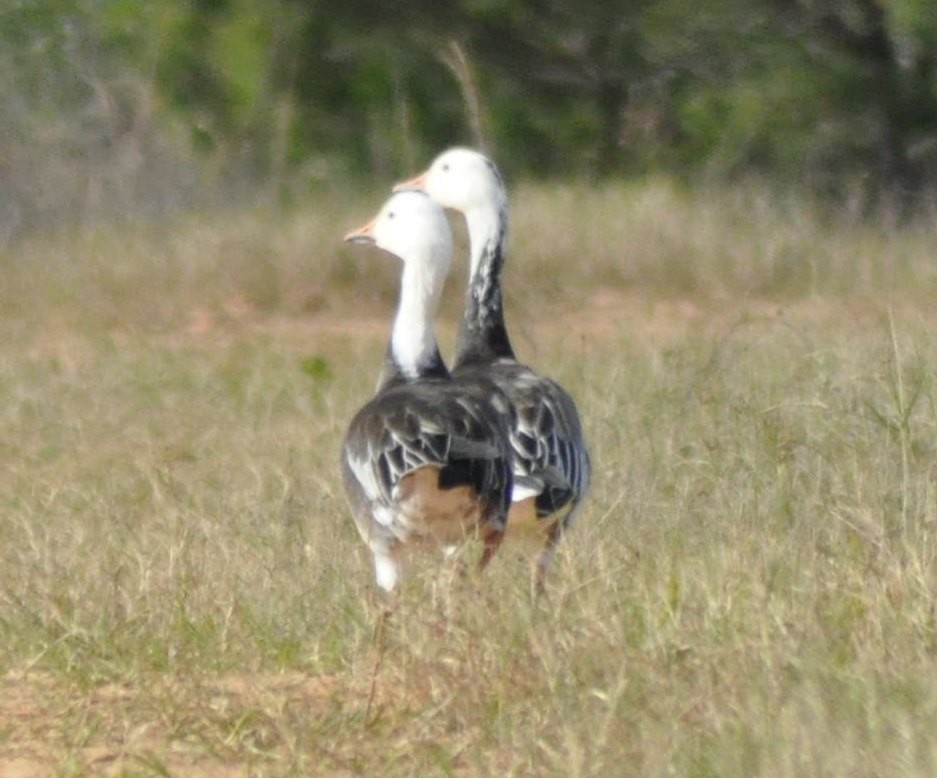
pixel 750 590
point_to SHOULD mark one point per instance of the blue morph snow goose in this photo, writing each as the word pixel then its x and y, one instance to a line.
pixel 427 460
pixel 551 460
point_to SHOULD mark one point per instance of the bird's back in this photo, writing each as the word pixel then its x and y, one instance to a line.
pixel 427 461
pixel 547 438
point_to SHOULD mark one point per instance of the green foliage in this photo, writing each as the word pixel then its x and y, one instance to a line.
pixel 117 107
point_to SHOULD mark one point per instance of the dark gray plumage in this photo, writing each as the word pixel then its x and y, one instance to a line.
pixel 428 459
pixel 552 465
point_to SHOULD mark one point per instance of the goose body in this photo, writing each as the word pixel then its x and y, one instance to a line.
pixel 427 461
pixel 552 467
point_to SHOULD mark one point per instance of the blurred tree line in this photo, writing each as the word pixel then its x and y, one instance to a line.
pixel 117 106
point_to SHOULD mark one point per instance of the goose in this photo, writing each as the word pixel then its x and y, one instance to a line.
pixel 551 460
pixel 427 461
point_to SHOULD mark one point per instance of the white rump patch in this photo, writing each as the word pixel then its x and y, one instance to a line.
pixel 521 492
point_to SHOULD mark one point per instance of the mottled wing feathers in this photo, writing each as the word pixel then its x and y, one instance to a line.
pixel 429 424
pixel 547 439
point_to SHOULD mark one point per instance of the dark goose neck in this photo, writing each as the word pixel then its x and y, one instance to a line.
pixel 483 336
pixel 393 373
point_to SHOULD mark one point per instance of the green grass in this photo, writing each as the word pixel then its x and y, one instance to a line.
pixel 749 591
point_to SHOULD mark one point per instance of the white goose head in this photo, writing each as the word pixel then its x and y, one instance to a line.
pixel 461 179
pixel 413 228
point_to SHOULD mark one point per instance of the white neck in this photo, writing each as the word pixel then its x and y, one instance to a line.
pixel 413 342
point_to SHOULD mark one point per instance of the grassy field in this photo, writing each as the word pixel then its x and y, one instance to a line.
pixel 749 591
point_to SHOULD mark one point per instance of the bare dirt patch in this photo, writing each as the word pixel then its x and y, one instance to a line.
pixel 208 728
pixel 606 314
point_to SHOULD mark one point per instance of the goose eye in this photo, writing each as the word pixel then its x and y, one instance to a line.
pixel 390 214
pixel 445 167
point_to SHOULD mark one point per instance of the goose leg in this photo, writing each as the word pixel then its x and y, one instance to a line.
pixel 549 550
pixel 546 557
pixel 492 542
pixel 386 569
